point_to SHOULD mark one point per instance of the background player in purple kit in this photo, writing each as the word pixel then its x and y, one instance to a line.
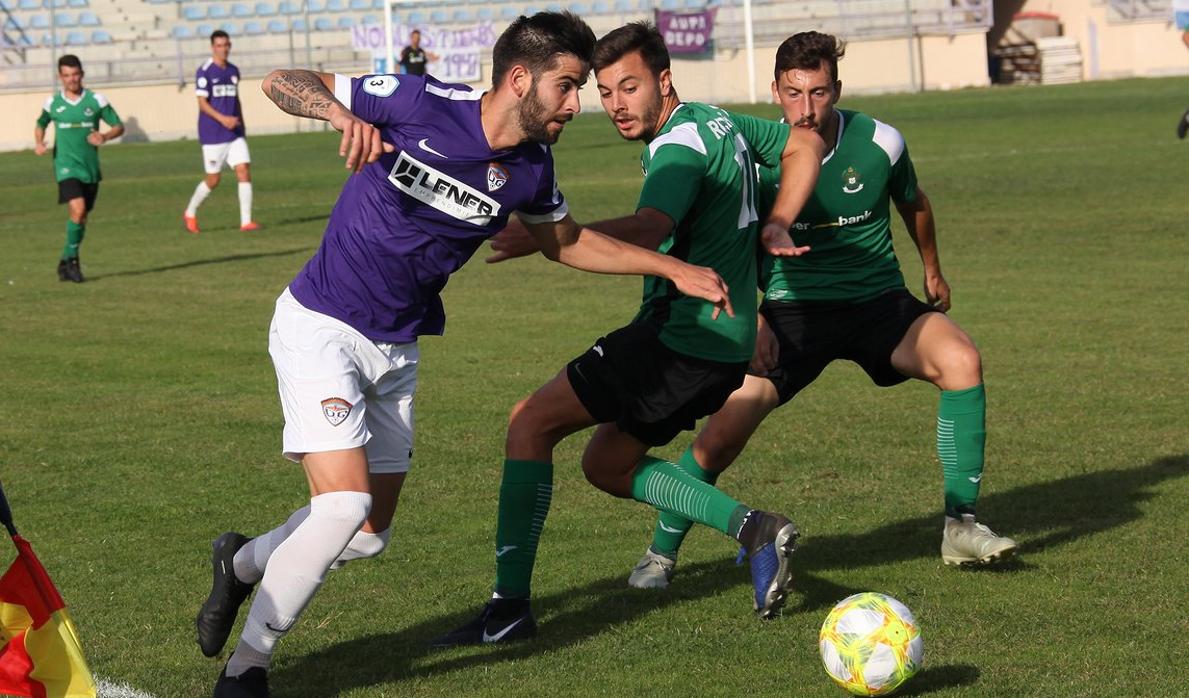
pixel 453 164
pixel 221 132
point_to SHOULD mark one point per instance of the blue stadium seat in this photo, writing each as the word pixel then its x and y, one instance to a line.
pixel 277 26
pixel 76 38
pixel 265 9
pixel 695 4
pixel 335 5
pixel 485 14
pixel 579 9
pixel 358 5
pixel 230 28
pixel 377 4
pixel 531 10
pixel 216 12
pixel 509 12
pixel 369 19
pixel 670 4
pixel 39 22
pixel 77 3
pixel 463 16
pixel 288 7
pixel 415 18
pixel 322 24
pixel 253 28
pixel 88 19
pixel 299 25
pixel 194 12
pixel 316 6
pixel 240 10
pixel 203 30
pixel 553 7
pixel 439 17
pixel 623 5
pixel 100 37
pixel 66 20
pixel 600 8
pixel 645 5
pixel 54 3
pixel 182 31
pixel 30 4
pixel 346 22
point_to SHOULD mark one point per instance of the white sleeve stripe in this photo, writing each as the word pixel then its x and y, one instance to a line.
pixel 889 139
pixel 100 99
pixel 202 93
pixel 342 90
pixel 683 134
pixel 552 217
pixel 49 102
pixel 454 94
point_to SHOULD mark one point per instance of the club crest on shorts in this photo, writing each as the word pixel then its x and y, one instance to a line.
pixel 497 176
pixel 336 410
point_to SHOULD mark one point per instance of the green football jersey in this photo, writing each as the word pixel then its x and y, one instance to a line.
pixel 700 171
pixel 847 220
pixel 74 157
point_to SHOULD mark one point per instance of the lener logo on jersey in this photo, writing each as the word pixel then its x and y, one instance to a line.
pixel 852 181
pixel 443 192
pixel 336 410
pixel 497 176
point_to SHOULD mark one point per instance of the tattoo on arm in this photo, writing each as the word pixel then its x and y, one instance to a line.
pixel 301 93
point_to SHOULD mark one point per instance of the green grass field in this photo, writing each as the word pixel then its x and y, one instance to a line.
pixel 140 420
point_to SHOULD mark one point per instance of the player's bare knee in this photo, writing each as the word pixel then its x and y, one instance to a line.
pixel 212 181
pixel 961 367
pixel 606 479
pixel 530 426
pixel 242 173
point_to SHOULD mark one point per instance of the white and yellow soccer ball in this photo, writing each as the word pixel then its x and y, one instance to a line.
pixel 871 644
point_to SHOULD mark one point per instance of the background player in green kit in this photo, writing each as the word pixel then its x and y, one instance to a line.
pixel 679 358
pixel 75 112
pixel 847 300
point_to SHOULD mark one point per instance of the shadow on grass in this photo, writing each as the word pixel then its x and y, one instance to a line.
pixel 1042 516
pixel 199 263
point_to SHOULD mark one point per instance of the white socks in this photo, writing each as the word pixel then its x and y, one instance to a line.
pixel 245 203
pixel 252 559
pixel 295 571
pixel 200 193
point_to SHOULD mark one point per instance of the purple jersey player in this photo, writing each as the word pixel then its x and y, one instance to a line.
pixel 221 133
pixel 439 168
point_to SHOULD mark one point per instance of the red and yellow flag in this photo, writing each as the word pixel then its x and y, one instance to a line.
pixel 40 655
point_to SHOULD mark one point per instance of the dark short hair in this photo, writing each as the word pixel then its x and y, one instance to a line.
pixel 69 60
pixel 219 34
pixel 537 42
pixel 415 31
pixel 643 37
pixel 807 50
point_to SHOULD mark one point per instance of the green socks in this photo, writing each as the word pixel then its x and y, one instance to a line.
pixel 525 493
pixel 671 528
pixel 671 489
pixel 74 238
pixel 961 438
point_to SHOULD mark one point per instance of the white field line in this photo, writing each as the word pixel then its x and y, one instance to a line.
pixel 111 689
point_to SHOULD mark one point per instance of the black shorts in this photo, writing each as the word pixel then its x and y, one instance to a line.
pixel 648 390
pixel 814 333
pixel 77 189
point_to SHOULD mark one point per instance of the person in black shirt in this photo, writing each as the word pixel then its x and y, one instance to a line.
pixel 413 58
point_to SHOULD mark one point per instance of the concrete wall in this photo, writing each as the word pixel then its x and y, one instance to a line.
pixel 1113 49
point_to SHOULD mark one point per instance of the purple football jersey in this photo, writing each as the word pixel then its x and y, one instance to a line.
pixel 409 220
pixel 220 86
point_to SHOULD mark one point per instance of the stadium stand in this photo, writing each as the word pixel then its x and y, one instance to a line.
pixel 162 40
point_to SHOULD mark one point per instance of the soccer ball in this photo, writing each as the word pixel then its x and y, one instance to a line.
pixel 870 644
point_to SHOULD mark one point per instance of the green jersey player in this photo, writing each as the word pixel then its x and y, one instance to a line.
pixel 679 359
pixel 75 112
pixel 847 300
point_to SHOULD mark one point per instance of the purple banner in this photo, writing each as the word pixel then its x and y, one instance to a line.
pixel 686 32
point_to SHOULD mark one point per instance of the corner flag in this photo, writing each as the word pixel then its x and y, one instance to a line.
pixel 40 656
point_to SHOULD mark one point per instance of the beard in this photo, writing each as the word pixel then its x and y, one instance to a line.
pixel 531 116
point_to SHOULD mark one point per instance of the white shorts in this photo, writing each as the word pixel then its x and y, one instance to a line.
pixel 340 389
pixel 231 153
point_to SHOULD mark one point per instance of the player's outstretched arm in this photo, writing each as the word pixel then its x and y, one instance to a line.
pixel 311 95
pixel 646 228
pixel 582 248
pixel 922 228
pixel 799 166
